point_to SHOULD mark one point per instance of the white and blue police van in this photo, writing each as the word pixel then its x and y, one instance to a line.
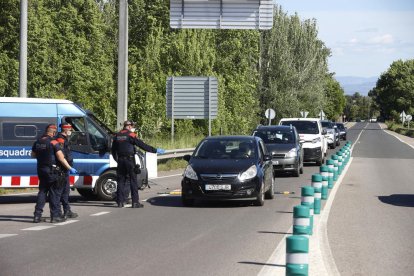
pixel 23 120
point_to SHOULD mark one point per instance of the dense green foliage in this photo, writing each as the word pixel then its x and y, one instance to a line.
pixel 72 54
pixel 359 107
pixel 394 91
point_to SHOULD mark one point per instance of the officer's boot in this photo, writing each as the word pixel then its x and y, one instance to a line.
pixel 137 205
pixel 38 219
pixel 57 219
pixel 69 214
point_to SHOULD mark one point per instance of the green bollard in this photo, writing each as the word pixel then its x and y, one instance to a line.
pixel 297 255
pixel 330 163
pixel 335 159
pixel 325 175
pixel 301 220
pixel 317 185
pixel 340 164
pixel 307 199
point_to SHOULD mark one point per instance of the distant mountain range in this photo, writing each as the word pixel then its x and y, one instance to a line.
pixel 356 84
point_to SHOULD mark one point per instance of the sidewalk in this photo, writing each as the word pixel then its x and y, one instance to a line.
pixel 402 138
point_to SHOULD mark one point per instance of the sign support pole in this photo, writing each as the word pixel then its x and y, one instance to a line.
pixel 209 106
pixel 172 109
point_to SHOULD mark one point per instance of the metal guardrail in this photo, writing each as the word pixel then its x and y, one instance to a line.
pixel 175 153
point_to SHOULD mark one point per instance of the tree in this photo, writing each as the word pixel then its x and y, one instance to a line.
pixel 335 98
pixel 394 91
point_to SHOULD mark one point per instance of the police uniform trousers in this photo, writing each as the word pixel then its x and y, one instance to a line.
pixel 65 195
pixel 125 171
pixel 48 188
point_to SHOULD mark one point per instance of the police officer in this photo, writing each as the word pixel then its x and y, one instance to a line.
pixel 62 138
pixel 47 151
pixel 123 151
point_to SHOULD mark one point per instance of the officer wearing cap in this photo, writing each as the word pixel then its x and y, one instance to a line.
pixel 123 151
pixel 48 153
pixel 62 138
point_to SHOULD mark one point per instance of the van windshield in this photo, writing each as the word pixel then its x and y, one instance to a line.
pixel 303 127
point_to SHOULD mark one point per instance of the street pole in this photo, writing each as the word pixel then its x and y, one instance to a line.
pixel 23 50
pixel 122 104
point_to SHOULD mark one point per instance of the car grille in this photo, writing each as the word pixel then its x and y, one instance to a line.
pixel 278 155
pixel 218 177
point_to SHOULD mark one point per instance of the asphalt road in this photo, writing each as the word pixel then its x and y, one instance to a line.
pixel 165 238
pixel 371 224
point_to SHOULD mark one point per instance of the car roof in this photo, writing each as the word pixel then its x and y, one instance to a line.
pixel 32 100
pixel 229 137
pixel 274 127
pixel 300 119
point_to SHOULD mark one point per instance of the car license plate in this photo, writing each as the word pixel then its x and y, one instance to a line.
pixel 275 162
pixel 212 187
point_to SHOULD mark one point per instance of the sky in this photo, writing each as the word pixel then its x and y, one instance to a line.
pixel 365 36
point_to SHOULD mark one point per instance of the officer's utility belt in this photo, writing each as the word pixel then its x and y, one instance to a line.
pixel 128 157
pixel 60 173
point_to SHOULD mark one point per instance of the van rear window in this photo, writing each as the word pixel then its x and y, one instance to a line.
pixel 303 127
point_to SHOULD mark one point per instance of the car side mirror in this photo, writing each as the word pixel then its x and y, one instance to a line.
pixel 324 132
pixel 267 157
pixel 187 157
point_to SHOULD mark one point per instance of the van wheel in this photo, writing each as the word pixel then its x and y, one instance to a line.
pixel 88 194
pixel 106 186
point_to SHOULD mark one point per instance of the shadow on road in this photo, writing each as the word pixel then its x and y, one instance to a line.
pixel 28 219
pixel 403 200
pixel 272 232
pixel 257 263
pixel 175 201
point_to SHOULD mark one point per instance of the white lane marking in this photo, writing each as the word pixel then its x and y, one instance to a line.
pixel 392 134
pixel 66 222
pixel 99 214
pixel 7 235
pixel 166 176
pixel 38 228
pixel 34 193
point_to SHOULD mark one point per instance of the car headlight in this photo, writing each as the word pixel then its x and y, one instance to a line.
pixel 291 153
pixel 248 174
pixel 316 140
pixel 190 173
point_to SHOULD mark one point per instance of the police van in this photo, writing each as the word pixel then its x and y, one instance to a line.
pixel 23 120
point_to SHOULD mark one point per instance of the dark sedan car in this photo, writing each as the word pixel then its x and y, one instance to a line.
pixel 342 130
pixel 284 144
pixel 228 168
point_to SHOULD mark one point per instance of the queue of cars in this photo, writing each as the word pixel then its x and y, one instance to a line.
pixel 244 167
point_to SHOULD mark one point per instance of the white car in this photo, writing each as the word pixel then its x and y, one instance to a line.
pixel 312 134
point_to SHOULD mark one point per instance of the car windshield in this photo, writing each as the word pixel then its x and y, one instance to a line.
pixel 226 149
pixel 340 126
pixel 304 127
pixel 276 136
pixel 327 124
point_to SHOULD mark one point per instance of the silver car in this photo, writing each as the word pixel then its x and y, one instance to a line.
pixel 332 134
pixel 284 144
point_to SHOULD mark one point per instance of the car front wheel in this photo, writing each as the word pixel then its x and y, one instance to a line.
pixel 260 196
pixel 270 194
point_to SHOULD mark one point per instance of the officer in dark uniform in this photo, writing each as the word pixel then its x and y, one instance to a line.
pixel 123 151
pixel 48 152
pixel 62 138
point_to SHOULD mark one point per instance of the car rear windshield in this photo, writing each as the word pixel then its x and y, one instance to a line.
pixel 303 127
pixel 327 124
pixel 276 136
pixel 226 149
pixel 340 126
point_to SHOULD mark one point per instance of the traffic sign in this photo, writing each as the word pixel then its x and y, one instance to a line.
pixel 322 115
pixel 408 118
pixel 270 114
pixel 402 116
pixel 304 114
